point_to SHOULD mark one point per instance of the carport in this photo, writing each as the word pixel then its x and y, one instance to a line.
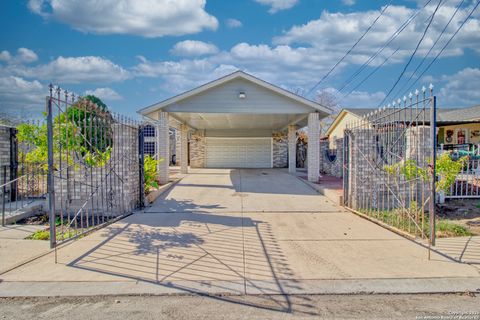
pixel 237 121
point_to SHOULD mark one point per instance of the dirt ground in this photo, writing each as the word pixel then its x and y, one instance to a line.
pixel 465 212
pixel 464 306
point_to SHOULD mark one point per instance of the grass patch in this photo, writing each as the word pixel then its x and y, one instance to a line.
pixel 45 235
pixel 400 220
pixel 449 229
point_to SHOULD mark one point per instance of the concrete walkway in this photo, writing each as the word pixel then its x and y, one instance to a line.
pixel 237 232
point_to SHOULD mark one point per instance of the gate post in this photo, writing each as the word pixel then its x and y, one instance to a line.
pixel 50 177
pixel 433 158
pixel 141 168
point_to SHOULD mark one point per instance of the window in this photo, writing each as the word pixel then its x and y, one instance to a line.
pixel 149 148
pixel 149 131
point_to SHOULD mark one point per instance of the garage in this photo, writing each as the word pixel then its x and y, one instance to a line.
pixel 237 121
pixel 239 152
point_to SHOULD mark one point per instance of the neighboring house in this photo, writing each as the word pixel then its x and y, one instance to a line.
pixel 457 128
pixel 239 121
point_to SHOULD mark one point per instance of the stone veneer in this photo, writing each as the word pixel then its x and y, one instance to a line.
pixel 197 150
pixel 335 167
pixel 280 150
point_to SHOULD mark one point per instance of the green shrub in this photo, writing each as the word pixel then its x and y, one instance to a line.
pixel 150 172
pixel 449 229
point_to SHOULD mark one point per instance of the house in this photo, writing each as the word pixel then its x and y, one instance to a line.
pixel 457 128
pixel 238 121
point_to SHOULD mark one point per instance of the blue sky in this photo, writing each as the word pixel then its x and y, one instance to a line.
pixel 133 53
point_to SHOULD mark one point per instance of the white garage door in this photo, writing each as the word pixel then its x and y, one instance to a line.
pixel 239 152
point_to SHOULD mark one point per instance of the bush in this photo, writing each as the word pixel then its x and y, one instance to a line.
pixel 150 172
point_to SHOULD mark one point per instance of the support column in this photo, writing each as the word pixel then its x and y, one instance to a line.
pixel 183 148
pixel 313 151
pixel 163 147
pixel 292 148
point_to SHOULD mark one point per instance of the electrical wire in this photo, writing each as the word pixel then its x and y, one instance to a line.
pixel 389 41
pixel 444 47
pixel 351 49
pixel 431 48
pixel 413 54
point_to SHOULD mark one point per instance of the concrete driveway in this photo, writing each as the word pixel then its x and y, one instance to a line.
pixel 237 232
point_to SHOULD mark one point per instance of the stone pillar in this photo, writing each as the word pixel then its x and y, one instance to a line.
pixel 183 148
pixel 313 151
pixel 163 148
pixel 292 149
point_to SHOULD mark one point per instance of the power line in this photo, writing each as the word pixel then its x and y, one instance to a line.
pixel 413 54
pixel 350 50
pixel 431 48
pixel 444 47
pixel 389 41
pixel 369 75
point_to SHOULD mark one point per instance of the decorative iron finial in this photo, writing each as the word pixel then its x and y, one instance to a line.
pixel 410 95
pixel 424 89
pixel 430 86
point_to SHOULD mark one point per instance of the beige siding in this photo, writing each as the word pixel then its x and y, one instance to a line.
pixel 337 132
pixel 224 98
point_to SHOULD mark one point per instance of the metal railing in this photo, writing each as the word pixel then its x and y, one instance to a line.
pixel 467 183
pixel 17 194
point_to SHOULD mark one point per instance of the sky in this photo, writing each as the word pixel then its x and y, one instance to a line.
pixel 134 53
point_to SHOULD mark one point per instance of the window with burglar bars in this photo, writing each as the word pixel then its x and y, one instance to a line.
pixel 149 148
pixel 149 131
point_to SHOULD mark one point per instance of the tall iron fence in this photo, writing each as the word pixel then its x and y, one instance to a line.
pixel 95 165
pixel 389 164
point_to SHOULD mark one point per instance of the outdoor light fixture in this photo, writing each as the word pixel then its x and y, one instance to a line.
pixel 242 95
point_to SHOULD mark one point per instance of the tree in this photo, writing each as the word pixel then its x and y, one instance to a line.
pixel 327 99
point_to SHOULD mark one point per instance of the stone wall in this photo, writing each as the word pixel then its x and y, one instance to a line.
pixel 331 154
pixel 280 150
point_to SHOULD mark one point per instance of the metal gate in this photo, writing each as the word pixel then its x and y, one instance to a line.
pixel 389 165
pixel 95 165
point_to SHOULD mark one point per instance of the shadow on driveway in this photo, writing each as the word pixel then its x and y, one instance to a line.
pixel 197 252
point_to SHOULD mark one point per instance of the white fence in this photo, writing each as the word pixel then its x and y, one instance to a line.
pixel 467 184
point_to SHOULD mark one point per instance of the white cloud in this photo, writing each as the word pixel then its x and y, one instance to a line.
pixel 23 55
pixel 336 32
pixel 20 97
pixel 75 70
pixel 277 5
pixel 5 56
pixel 193 48
pixel 234 23
pixel 460 89
pixel 348 2
pixel 178 76
pixel 147 18
pixel 107 94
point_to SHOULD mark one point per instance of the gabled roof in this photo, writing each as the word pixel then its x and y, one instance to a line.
pixel 471 114
pixel 236 75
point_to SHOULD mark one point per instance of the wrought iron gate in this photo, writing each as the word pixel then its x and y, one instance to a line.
pixel 389 165
pixel 95 165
